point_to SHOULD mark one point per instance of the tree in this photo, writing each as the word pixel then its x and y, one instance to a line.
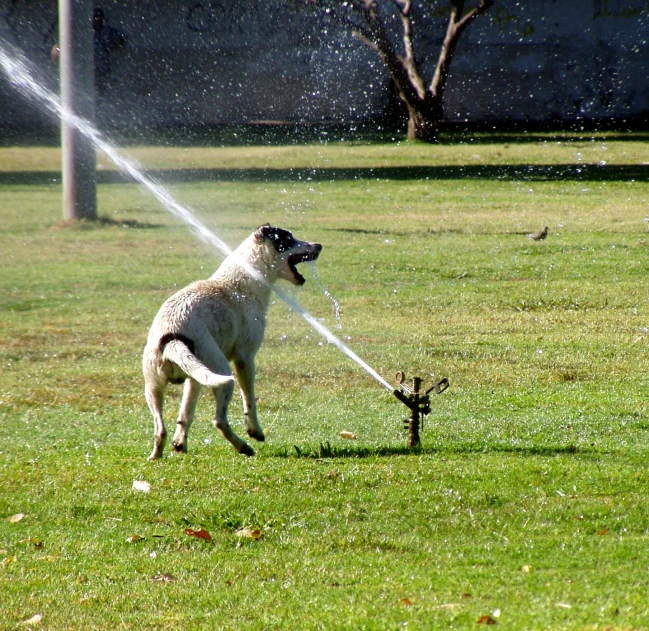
pixel 368 22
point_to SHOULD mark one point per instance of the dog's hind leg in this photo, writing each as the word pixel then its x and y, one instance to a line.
pixel 154 393
pixel 210 354
pixel 191 391
pixel 246 378
pixel 223 395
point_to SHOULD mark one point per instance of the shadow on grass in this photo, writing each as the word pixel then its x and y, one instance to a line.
pixel 525 172
pixel 327 451
pixel 105 222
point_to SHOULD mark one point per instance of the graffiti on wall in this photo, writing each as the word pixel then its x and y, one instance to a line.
pixel 17 13
pixel 620 8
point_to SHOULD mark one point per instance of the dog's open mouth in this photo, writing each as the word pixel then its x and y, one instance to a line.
pixel 310 255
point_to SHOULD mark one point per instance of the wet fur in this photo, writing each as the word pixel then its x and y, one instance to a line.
pixel 210 323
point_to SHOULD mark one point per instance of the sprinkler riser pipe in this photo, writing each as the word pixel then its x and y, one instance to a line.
pixel 418 402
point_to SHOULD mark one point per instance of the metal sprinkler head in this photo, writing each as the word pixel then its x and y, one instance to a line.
pixel 417 401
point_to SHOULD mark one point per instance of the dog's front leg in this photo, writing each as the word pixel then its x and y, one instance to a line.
pixel 191 391
pixel 246 378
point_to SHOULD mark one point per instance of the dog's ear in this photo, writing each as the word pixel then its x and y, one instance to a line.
pixel 263 232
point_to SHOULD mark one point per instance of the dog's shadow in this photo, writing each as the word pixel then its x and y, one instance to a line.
pixel 326 451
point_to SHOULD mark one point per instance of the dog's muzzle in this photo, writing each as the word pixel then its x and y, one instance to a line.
pixel 311 254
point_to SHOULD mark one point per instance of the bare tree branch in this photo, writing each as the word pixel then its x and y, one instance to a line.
pixel 403 8
pixel 473 14
pixel 456 26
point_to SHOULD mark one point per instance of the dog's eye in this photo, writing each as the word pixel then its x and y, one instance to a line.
pixel 282 240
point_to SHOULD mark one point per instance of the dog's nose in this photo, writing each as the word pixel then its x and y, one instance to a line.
pixel 317 247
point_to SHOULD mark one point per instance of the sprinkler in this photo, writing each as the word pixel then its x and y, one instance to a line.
pixel 418 403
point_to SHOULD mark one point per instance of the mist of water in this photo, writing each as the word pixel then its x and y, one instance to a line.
pixel 327 293
pixel 22 76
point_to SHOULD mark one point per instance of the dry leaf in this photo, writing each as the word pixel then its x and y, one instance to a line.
pixel 406 601
pixel 486 620
pixel 602 532
pixel 199 534
pixel 347 435
pixel 134 538
pixel 141 485
pixel 37 543
pixel 163 578
pixel 250 533
pixel 14 519
pixel 34 620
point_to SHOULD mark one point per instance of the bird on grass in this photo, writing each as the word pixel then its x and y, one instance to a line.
pixel 538 236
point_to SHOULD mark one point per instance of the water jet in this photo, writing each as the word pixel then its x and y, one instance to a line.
pixel 20 74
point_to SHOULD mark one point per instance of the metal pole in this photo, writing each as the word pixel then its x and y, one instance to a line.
pixel 77 71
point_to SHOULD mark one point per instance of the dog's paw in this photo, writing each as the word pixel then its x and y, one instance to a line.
pixel 246 450
pixel 180 448
pixel 257 435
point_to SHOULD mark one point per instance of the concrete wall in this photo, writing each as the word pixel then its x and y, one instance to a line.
pixel 231 61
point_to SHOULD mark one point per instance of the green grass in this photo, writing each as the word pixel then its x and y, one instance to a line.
pixel 528 495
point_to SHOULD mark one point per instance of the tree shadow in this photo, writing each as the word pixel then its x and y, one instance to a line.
pixel 504 172
pixel 326 451
pixel 104 221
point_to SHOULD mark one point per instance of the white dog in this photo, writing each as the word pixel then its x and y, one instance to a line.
pixel 209 323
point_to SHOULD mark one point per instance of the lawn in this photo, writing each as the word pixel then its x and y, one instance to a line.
pixel 524 507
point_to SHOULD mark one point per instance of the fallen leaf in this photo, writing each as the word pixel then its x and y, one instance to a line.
pixel 602 532
pixel 34 620
pixel 406 601
pixel 163 578
pixel 347 435
pixel 486 620
pixel 526 569
pixel 467 595
pixel 250 533
pixel 134 538
pixel 141 485
pixel 14 519
pixel 198 534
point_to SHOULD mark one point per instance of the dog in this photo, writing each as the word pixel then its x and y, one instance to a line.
pixel 210 323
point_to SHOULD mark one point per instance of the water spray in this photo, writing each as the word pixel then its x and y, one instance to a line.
pixel 19 73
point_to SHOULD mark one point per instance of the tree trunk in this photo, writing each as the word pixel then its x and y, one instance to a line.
pixel 422 125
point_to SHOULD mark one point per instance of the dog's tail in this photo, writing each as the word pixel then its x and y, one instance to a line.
pixel 179 352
